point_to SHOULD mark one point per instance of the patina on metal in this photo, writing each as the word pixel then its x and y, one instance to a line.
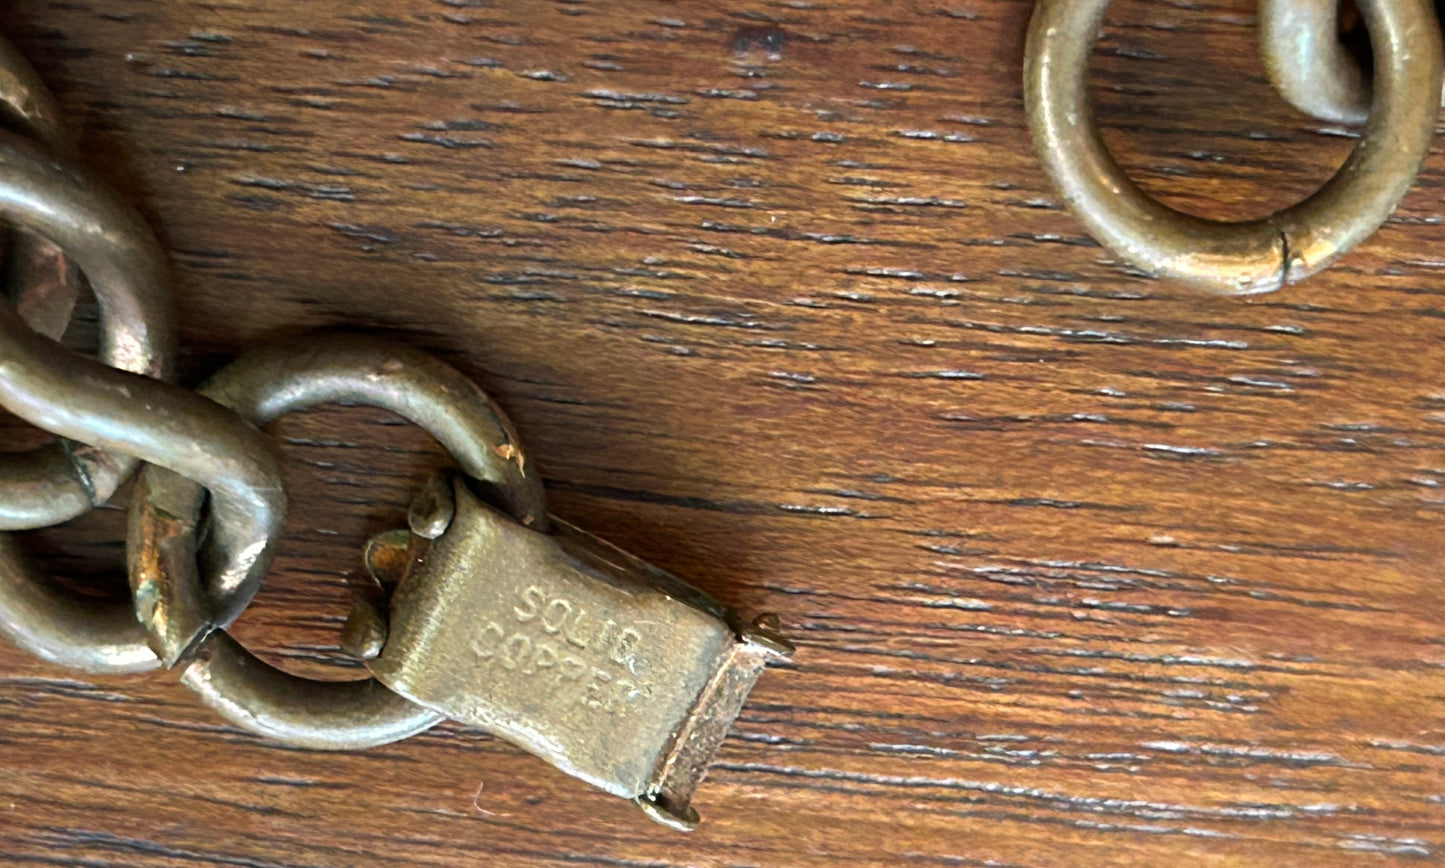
pixel 53 205
pixel 45 618
pixel 116 251
pixel 38 278
pixel 484 609
pixel 26 104
pixel 166 514
pixel 1246 257
pixel 164 424
pixel 1310 64
pixel 122 414
pixel 607 667
pixel 50 203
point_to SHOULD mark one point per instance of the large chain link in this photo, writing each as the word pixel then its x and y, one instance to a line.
pixel 48 199
pixel 262 386
pixel 1314 71
pixel 202 448
pixel 637 703
pixel 51 202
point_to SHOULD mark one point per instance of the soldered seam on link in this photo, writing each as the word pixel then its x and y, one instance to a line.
pixel 81 474
pixel 1246 257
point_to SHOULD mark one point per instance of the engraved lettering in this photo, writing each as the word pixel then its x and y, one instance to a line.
pixel 575 633
pixel 632 691
pixel 543 657
pixel 534 597
pixel 571 669
pixel 626 645
pixel 515 650
pixel 554 617
pixel 588 658
pixel 480 644
pixel 607 630
pixel 597 695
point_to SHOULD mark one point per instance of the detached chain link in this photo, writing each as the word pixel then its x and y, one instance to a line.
pixel 1313 70
pixel 612 669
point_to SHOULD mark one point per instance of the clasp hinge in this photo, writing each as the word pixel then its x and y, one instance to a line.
pixel 607 667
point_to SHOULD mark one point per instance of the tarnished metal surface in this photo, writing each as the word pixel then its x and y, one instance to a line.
pixel 168 426
pixel 119 255
pixel 171 599
pixel 48 203
pixel 608 668
pixel 43 282
pixel 1247 257
pixel 37 276
pixel 55 624
pixel 327 368
pixel 55 205
pixel 1307 62
pixel 611 669
pixel 320 715
pixel 26 103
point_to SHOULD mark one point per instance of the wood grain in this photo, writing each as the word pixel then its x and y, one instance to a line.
pixel 1083 568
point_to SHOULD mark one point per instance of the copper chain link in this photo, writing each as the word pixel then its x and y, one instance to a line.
pixel 1313 70
pixel 187 586
pixel 203 451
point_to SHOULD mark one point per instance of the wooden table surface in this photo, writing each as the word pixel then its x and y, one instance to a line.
pixel 1083 568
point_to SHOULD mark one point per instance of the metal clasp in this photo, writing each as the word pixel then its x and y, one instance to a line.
pixel 609 668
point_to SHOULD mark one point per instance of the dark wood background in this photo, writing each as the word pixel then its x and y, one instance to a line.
pixel 1083 568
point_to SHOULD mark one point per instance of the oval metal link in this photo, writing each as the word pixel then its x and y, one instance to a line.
pixel 127 416
pixel 118 253
pixel 299 712
pixel 162 424
pixel 63 480
pixel 59 626
pixel 42 282
pixel 263 386
pixel 54 484
pixel 1246 257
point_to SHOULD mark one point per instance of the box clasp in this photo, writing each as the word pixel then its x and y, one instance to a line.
pixel 609 668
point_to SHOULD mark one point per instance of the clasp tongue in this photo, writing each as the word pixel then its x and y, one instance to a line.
pixel 609 668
